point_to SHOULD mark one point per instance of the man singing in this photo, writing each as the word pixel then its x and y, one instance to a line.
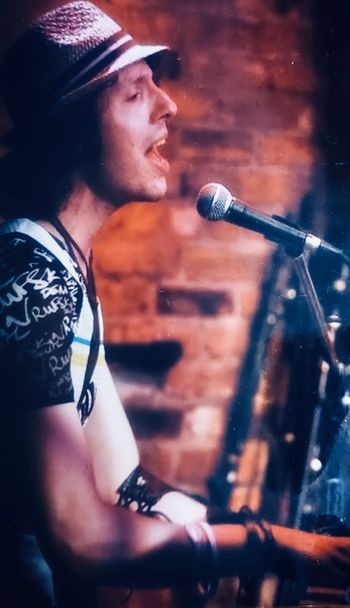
pixel 77 509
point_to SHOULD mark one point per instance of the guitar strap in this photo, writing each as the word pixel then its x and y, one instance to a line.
pixel 87 394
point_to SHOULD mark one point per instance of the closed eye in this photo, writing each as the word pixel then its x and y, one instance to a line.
pixel 134 96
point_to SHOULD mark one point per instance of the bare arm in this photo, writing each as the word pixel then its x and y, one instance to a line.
pixel 115 462
pixel 114 546
pixel 93 539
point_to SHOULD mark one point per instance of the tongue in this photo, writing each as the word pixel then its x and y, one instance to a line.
pixel 158 159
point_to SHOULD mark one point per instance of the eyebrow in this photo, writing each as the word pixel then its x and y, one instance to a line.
pixel 139 78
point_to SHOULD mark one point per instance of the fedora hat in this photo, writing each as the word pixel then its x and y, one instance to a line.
pixel 63 55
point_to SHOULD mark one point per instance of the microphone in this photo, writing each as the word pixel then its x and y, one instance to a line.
pixel 215 202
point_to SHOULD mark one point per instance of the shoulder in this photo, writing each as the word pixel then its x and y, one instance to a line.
pixel 21 252
pixel 40 306
pixel 35 287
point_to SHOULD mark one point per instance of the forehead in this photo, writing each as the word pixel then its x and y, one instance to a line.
pixel 136 74
pixel 136 71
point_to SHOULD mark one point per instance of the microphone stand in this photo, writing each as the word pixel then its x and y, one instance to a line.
pixel 328 353
pixel 316 311
pixel 293 591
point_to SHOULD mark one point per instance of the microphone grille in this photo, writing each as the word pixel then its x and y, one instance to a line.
pixel 213 201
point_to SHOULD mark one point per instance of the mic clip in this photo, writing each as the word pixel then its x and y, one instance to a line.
pixel 297 249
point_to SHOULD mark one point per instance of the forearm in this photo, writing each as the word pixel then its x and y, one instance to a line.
pixel 129 549
pixel 174 560
pixel 132 550
pixel 316 558
pixel 124 548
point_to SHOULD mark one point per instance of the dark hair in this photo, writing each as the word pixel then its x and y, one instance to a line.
pixel 38 175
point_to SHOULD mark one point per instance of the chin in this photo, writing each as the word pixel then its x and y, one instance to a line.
pixel 149 189
pixel 156 192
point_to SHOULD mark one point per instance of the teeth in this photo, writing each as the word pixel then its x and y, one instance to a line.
pixel 160 143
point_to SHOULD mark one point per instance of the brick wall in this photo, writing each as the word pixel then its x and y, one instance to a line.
pixel 178 292
pixel 245 119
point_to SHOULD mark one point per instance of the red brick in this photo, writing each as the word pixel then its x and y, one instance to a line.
pixel 226 339
pixel 235 147
pixel 197 174
pixel 306 123
pixel 139 330
pixel 215 339
pixel 211 28
pixel 130 329
pixel 193 104
pixel 268 36
pixel 137 219
pixel 185 221
pixel 161 458
pixel 292 74
pixel 194 302
pixel 129 296
pixel 200 380
pixel 273 186
pixel 268 109
pixel 146 25
pixel 276 38
pixel 246 242
pixel 154 423
pixel 245 87
pixel 253 10
pixel 255 71
pixel 204 421
pixel 224 232
pixel 189 334
pixel 275 189
pixel 214 76
pixel 283 150
pixel 195 466
pixel 158 256
pixel 204 264
pixel 247 300
pixel 113 332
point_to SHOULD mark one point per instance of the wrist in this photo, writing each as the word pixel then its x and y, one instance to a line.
pixel 251 546
pixel 231 540
pixel 206 565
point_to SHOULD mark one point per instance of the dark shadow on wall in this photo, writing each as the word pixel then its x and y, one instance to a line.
pixel 331 58
pixel 332 61
pixel 329 197
pixel 16 14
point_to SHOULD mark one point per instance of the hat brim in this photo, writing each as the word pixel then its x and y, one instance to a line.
pixel 159 57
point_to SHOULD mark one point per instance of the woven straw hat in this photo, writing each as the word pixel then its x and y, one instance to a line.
pixel 63 55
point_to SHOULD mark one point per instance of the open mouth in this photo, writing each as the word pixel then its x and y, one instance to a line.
pixel 156 157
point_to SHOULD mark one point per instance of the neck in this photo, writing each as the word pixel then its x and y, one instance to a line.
pixel 82 216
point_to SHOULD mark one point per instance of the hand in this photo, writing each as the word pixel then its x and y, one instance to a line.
pixel 320 560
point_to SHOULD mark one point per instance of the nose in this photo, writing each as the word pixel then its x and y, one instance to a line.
pixel 165 107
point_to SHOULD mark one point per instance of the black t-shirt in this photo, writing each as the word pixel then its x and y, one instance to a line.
pixel 40 304
pixel 39 307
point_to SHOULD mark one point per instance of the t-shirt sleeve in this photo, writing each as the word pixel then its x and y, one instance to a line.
pixel 39 304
